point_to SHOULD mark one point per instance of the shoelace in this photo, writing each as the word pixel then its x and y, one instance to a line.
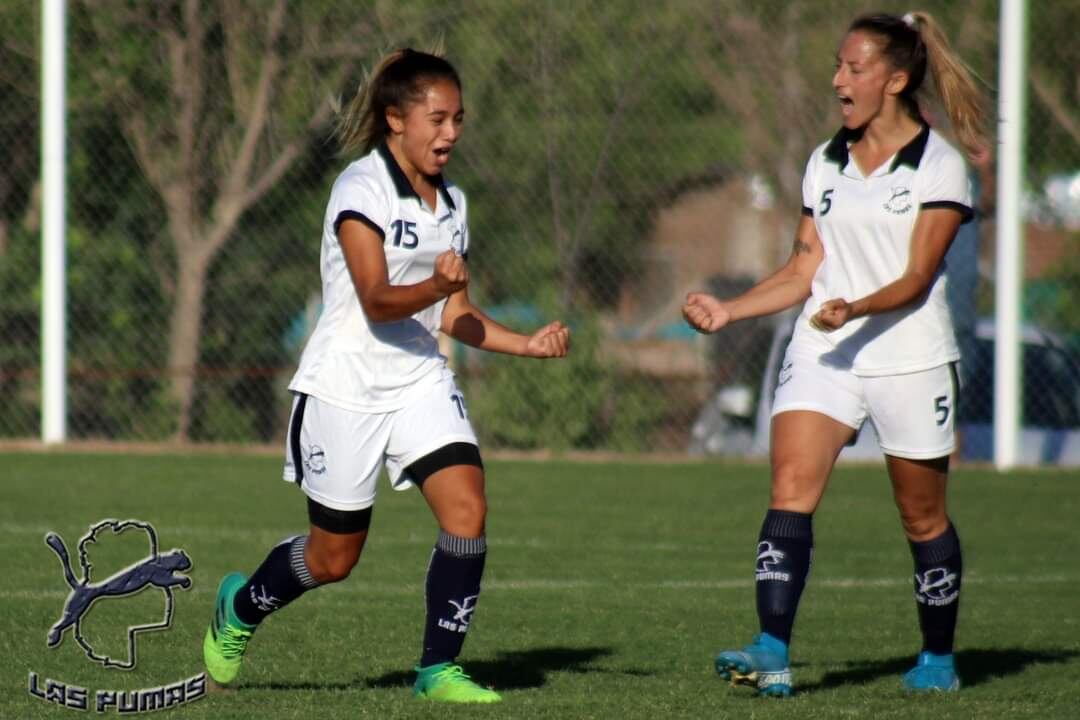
pixel 453 673
pixel 233 641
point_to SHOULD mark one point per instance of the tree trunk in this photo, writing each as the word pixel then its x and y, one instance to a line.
pixel 184 329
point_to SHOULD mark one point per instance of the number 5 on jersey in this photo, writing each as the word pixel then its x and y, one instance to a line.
pixel 826 201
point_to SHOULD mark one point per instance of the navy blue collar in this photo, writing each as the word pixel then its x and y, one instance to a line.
pixel 402 184
pixel 910 155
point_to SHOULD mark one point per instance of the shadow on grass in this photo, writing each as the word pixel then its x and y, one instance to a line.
pixel 517 670
pixel 508 671
pixel 974 666
pixel 357 684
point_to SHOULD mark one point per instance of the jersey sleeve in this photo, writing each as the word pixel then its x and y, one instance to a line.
pixel 945 184
pixel 359 198
pixel 808 182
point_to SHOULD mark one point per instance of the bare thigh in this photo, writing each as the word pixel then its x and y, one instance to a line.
pixel 455 495
pixel 805 445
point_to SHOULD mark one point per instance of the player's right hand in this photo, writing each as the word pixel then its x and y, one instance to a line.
pixel 705 313
pixel 451 273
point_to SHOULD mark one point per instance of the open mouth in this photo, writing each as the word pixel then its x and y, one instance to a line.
pixel 847 105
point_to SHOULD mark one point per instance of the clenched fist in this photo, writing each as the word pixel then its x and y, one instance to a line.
pixel 550 341
pixel 705 313
pixel 451 274
pixel 832 315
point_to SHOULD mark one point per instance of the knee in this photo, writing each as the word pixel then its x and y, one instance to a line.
pixel 922 521
pixel 466 516
pixel 791 489
pixel 331 565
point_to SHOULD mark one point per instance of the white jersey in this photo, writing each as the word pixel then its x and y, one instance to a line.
pixel 865 225
pixel 350 361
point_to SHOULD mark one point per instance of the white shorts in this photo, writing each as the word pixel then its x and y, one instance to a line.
pixel 913 414
pixel 342 452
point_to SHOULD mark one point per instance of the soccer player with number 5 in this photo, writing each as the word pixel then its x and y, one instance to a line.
pixel 882 201
pixel 372 388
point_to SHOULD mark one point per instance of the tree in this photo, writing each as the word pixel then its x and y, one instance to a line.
pixel 217 103
pixel 580 117
pixel 18 122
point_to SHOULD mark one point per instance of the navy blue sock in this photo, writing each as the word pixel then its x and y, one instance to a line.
pixel 282 577
pixel 938 569
pixel 785 546
pixel 453 586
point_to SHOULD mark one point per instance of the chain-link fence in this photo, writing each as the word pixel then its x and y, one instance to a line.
pixel 616 155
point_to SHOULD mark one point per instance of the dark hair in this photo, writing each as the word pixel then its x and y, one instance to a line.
pixel 400 79
pixel 914 42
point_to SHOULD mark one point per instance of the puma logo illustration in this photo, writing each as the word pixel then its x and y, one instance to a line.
pixel 158 570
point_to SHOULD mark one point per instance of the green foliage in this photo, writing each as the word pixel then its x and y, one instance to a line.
pixel 636 413
pixel 118 326
pixel 557 404
pixel 578 119
pixel 581 401
pixel 20 299
pixel 222 419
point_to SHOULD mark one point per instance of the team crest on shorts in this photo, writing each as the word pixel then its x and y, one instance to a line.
pixel 315 460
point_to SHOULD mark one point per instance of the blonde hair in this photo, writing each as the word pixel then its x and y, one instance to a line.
pixel 398 80
pixel 915 43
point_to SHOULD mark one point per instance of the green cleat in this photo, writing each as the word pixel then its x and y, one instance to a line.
pixel 227 637
pixel 446 682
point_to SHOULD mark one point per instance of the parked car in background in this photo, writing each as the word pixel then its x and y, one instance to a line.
pixel 735 421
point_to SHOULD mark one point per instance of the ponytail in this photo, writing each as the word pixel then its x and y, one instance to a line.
pixel 955 85
pixel 399 79
pixel 914 43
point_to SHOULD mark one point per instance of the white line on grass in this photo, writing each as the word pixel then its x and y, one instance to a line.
pixel 360 587
pixel 173 535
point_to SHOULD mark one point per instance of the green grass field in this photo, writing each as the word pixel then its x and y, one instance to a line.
pixel 609 588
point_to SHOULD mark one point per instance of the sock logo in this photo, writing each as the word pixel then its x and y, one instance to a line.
pixel 462 615
pixel 768 559
pixel 936 586
pixel 263 600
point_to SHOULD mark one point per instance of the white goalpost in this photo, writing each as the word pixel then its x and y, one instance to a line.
pixel 53 223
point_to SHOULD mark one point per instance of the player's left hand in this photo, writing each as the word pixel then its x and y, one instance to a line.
pixel 550 341
pixel 832 315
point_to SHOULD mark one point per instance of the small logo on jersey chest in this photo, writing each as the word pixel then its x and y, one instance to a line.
pixel 900 201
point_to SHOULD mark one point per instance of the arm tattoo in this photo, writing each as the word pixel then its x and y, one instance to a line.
pixel 799 247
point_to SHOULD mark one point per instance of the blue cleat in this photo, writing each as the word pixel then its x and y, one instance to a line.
pixel 762 664
pixel 932 672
